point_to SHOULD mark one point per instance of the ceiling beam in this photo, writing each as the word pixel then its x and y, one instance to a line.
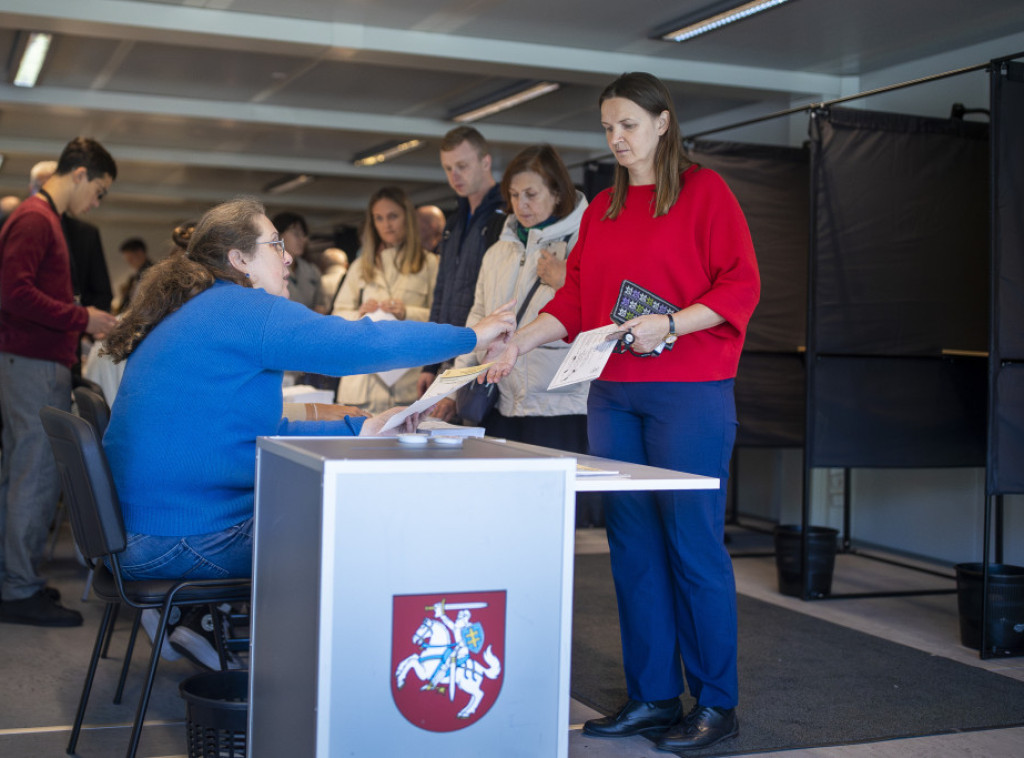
pixel 226 29
pixel 286 116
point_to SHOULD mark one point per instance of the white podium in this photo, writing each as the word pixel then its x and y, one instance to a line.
pixel 413 599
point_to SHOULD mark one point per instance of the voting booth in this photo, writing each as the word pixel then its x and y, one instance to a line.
pixel 417 598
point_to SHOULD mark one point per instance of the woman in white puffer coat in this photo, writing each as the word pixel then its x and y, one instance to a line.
pixel 393 278
pixel 535 242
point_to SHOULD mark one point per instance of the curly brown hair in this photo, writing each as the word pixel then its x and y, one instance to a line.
pixel 174 281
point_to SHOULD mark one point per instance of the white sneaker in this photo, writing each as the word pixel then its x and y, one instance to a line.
pixel 150 621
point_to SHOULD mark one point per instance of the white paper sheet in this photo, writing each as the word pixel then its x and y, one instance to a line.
pixel 586 358
pixel 444 385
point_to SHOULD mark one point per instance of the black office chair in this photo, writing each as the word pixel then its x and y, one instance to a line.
pixel 93 408
pixel 98 527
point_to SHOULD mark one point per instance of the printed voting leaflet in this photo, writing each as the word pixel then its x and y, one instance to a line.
pixel 444 385
pixel 586 357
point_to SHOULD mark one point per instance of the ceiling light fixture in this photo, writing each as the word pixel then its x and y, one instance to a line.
pixel 520 95
pixel 386 152
pixel 32 59
pixel 288 184
pixel 715 17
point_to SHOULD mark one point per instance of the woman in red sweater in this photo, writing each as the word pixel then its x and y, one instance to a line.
pixel 676 230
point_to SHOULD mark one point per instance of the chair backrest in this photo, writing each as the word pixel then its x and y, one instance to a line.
pixel 93 408
pixel 89 491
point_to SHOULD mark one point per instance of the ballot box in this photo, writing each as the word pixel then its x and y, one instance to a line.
pixel 417 598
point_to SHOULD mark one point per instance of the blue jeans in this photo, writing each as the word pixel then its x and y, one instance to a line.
pixel 673 575
pixel 218 555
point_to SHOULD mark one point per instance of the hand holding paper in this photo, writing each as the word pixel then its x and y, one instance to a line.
pixel 444 385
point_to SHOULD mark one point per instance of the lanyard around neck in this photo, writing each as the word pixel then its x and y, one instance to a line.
pixel 49 199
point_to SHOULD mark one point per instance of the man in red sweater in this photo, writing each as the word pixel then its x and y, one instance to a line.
pixel 40 324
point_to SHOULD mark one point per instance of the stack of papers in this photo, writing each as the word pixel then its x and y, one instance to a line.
pixel 435 427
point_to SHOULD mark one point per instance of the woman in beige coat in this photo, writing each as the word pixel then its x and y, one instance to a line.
pixel 393 278
pixel 528 261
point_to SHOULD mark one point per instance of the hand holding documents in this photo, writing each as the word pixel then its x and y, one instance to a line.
pixel 444 385
pixel 587 356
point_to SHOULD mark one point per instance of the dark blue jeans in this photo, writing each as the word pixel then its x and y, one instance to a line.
pixel 673 575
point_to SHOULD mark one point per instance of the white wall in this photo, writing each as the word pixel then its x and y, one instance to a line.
pixel 932 513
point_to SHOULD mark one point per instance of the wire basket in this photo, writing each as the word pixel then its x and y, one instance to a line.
pixel 217 713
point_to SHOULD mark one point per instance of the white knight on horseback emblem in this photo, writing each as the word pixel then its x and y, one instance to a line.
pixel 452 657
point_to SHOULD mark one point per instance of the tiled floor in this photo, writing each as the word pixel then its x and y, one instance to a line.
pixel 41 670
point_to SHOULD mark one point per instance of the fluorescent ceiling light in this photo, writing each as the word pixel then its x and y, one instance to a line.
pixel 477 112
pixel 32 59
pixel 288 184
pixel 711 19
pixel 386 152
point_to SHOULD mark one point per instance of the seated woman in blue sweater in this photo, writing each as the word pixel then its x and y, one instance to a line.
pixel 207 340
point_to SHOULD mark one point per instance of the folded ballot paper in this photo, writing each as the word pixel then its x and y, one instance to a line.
pixel 445 384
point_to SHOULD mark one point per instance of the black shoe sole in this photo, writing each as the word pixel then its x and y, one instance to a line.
pixel 702 746
pixel 636 732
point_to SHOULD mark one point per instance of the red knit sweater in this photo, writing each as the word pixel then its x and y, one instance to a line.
pixel 38 315
pixel 699 252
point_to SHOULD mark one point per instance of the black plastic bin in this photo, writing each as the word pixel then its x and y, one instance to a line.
pixel 1005 606
pixel 217 713
pixel 821 559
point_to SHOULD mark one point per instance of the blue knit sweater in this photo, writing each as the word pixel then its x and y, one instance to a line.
pixel 206 382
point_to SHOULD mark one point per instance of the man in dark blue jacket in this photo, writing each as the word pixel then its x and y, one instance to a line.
pixel 473 228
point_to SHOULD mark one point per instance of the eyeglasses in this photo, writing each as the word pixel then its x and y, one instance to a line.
pixel 276 244
pixel 102 193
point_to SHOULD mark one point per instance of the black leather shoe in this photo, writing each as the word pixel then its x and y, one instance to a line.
pixel 703 726
pixel 635 717
pixel 38 610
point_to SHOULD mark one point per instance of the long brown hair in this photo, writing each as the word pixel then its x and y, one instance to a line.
pixel 174 281
pixel 648 91
pixel 411 255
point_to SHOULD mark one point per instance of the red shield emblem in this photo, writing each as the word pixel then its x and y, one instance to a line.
pixel 447 656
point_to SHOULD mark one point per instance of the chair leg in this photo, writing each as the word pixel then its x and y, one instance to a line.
pixel 87 587
pixel 147 687
pixel 87 687
pixel 110 632
pixel 128 651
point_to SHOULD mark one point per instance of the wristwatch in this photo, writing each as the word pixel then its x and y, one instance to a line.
pixel 671 337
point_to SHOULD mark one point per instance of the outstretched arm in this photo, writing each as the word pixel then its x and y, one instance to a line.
pixel 542 330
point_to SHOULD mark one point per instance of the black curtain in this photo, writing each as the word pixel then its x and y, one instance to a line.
pixel 1006 421
pixel 771 184
pixel 596 177
pixel 898 279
